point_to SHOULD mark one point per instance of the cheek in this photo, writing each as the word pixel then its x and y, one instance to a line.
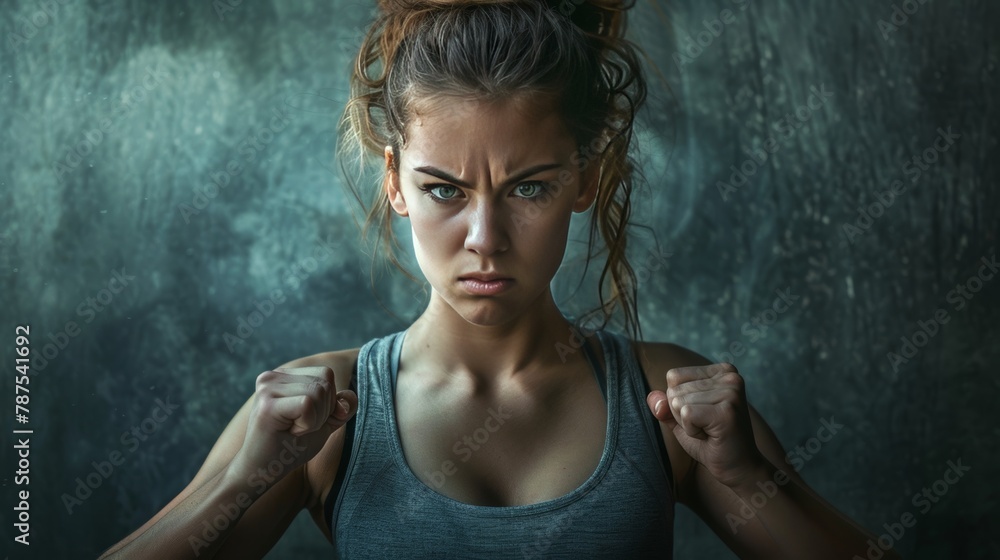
pixel 433 242
pixel 544 238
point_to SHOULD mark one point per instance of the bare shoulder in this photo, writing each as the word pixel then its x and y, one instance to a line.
pixel 321 471
pixel 656 359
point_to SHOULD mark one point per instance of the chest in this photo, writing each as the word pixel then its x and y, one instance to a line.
pixel 518 447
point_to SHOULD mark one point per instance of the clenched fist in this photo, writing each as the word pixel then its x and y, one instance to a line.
pixel 295 410
pixel 707 409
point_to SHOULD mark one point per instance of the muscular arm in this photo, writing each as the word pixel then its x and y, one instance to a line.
pixel 794 520
pixel 777 514
pixel 190 526
pixel 187 527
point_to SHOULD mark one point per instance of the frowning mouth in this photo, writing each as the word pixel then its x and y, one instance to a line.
pixel 486 288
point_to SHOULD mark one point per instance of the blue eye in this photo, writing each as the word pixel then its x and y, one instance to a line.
pixel 430 188
pixel 540 188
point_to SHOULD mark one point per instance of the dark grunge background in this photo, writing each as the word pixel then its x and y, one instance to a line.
pixel 874 212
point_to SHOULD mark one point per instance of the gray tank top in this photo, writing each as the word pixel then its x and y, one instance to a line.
pixel 378 508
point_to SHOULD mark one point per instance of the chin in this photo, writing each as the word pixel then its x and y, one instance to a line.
pixel 489 313
pixel 492 311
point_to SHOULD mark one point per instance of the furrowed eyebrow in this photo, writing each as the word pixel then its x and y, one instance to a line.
pixel 431 170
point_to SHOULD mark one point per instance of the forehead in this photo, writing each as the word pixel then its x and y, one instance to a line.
pixel 457 129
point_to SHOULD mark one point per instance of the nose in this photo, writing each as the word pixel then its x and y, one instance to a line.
pixel 487 232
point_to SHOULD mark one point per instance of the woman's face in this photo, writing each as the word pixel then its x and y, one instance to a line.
pixel 489 188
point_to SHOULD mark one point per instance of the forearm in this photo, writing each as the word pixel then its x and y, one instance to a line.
pixel 191 529
pixel 799 525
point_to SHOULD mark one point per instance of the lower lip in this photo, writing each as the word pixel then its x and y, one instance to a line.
pixel 490 288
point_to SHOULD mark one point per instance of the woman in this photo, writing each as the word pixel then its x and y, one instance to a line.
pixel 493 426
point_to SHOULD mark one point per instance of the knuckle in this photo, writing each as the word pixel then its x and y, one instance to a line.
pixel 265 392
pixel 328 376
pixel 732 378
pixel 266 377
pixel 318 389
pixel 308 405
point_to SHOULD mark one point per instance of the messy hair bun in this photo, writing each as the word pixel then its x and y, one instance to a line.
pixel 572 51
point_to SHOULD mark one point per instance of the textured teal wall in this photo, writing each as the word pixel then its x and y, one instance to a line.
pixel 872 213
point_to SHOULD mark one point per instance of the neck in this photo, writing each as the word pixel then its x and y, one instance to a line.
pixel 489 354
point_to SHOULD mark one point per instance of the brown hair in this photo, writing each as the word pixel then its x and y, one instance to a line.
pixel 571 51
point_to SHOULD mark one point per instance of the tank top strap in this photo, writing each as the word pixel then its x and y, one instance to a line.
pixel 395 351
